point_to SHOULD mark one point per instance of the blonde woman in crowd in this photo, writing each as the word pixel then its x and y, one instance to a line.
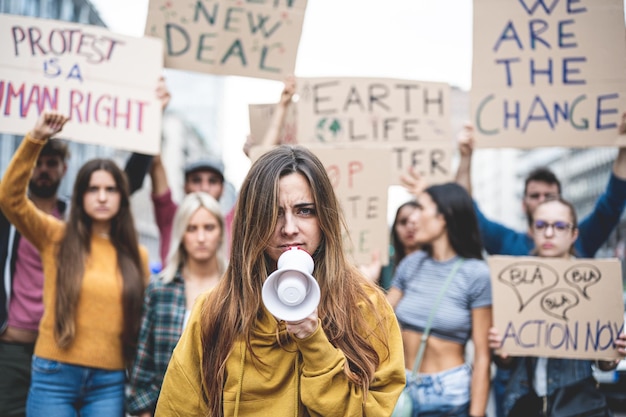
pixel 194 265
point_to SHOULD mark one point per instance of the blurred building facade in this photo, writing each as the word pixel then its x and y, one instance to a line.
pixel 190 124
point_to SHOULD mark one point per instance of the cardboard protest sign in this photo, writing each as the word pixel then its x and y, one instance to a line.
pixel 253 38
pixel 361 187
pixel 562 308
pixel 431 160
pixel 372 110
pixel 548 73
pixel 409 118
pixel 103 81
pixel 260 117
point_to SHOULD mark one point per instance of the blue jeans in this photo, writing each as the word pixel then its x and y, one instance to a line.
pixel 444 394
pixel 498 384
pixel 59 389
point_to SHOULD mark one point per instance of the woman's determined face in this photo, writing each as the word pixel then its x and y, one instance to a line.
pixel 298 224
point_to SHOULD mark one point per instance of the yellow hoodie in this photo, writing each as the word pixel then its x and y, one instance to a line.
pixel 303 378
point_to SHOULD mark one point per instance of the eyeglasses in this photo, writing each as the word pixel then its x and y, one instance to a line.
pixel 559 228
pixel 546 196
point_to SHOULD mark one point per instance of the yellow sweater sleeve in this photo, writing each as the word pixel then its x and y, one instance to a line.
pixel 326 391
pixel 35 225
pixel 324 388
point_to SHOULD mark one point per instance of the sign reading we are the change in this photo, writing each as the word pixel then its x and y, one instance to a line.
pixel 103 81
pixel 361 187
pixel 253 38
pixel 563 308
pixel 410 118
pixel 548 72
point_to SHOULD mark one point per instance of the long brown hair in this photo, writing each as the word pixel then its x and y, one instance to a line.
pixel 230 311
pixel 75 247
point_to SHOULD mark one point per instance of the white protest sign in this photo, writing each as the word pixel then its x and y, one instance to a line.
pixel 103 81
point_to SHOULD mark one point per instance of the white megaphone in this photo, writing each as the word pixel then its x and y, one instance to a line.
pixel 291 293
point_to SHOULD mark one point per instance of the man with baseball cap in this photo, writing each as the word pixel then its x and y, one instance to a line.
pixel 205 174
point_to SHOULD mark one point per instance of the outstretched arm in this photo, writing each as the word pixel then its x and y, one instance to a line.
pixel 272 135
pixel 596 228
pixel 158 176
pixel 32 223
pixel 413 182
pixel 465 142
pixel 138 164
pixel 619 166
pixel 48 125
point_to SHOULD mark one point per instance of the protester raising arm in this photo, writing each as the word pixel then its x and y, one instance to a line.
pixel 93 268
pixel 465 141
pixel 138 164
pixel 277 122
pixel 35 225
pixel 596 228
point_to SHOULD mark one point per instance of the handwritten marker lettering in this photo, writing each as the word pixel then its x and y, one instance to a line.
pixel 528 279
pixel 557 302
pixel 582 276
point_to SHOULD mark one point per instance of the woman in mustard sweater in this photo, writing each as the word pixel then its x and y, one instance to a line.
pixel 95 273
pixel 235 358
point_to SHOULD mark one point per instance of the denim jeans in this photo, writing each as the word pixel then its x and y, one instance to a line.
pixel 444 394
pixel 498 384
pixel 62 390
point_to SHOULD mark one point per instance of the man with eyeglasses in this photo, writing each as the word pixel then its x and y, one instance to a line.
pixel 541 184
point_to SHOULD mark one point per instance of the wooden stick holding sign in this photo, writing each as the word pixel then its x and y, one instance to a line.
pixel 561 308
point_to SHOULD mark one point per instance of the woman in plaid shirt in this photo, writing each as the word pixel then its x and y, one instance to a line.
pixel 195 264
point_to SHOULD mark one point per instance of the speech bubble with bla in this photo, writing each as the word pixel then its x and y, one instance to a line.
pixel 557 302
pixel 528 279
pixel 582 276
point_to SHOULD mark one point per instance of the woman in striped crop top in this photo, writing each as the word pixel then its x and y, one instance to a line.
pixel 447 230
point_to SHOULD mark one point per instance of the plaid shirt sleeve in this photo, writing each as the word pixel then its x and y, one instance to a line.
pixel 161 327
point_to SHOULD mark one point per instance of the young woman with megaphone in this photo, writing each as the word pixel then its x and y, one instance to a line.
pixel 344 358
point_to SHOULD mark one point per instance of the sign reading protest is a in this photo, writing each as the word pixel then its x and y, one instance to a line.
pixel 361 188
pixel 548 72
pixel 103 81
pixel 253 38
pixel 561 308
